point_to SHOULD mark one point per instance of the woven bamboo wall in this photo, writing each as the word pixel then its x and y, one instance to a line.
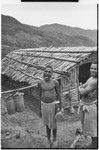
pixel 73 88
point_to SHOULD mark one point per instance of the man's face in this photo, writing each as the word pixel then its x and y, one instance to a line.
pixel 93 70
pixel 47 73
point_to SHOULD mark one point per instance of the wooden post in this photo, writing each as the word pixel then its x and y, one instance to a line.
pixel 77 80
pixel 70 100
pixel 61 88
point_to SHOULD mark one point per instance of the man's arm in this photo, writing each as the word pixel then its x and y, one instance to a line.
pixel 90 87
pixel 58 93
pixel 85 84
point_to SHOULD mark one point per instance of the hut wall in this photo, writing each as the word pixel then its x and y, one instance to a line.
pixel 8 84
pixel 73 89
pixel 64 84
pixel 33 91
pixel 72 80
pixel 73 77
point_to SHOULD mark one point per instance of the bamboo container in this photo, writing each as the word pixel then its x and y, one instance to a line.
pixel 10 105
pixel 19 101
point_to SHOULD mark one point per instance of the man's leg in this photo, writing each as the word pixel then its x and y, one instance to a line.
pixel 54 134
pixel 48 132
pixel 54 138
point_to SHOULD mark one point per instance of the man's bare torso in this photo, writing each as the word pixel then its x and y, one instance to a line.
pixel 48 92
pixel 91 88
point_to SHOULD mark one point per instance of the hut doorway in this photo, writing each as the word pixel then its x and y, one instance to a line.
pixel 84 72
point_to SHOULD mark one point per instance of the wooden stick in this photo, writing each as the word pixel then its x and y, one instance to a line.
pixel 19 89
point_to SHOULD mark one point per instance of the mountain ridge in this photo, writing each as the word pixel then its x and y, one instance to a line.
pixel 16 35
pixel 71 30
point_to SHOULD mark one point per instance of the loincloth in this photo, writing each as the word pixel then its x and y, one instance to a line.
pixel 48 114
pixel 90 118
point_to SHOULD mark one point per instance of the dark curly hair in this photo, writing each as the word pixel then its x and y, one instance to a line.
pixel 49 66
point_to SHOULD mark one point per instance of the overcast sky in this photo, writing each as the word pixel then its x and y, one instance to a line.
pixel 81 14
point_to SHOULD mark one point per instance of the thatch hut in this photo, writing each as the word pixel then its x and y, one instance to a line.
pixel 71 66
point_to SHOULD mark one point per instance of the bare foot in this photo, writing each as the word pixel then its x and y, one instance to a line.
pixel 55 144
pixel 48 145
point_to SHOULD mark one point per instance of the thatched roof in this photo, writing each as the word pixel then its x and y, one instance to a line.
pixel 62 59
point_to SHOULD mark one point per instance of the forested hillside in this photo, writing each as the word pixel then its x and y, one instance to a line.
pixel 16 35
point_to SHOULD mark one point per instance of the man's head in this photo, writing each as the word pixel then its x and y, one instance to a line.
pixel 93 70
pixel 48 71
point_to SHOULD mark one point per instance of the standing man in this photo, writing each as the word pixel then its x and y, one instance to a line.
pixel 49 96
pixel 88 93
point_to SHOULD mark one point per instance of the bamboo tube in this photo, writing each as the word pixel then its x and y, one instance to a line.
pixel 50 51
pixel 49 57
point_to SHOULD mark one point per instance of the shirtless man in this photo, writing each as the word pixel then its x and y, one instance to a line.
pixel 88 93
pixel 49 97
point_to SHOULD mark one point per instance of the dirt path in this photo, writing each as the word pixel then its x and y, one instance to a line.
pixel 28 130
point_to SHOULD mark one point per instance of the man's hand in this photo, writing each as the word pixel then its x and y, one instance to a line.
pixel 81 85
pixel 61 109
